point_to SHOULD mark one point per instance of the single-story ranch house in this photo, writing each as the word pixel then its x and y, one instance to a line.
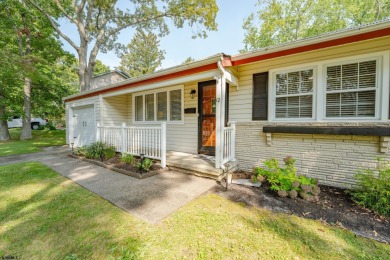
pixel 322 100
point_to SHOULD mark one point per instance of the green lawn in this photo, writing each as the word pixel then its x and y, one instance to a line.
pixel 46 216
pixel 40 139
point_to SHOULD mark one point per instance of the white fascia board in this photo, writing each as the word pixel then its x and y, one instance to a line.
pixel 166 83
pixel 190 65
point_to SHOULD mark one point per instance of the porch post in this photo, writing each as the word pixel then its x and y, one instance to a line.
pixel 220 120
pixel 163 144
pixel 98 131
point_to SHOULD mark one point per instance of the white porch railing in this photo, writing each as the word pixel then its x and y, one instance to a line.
pixel 136 140
pixel 229 142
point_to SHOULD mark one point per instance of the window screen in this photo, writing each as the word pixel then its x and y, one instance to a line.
pixel 294 94
pixel 139 114
pixel 351 89
pixel 175 100
pixel 162 106
pixel 149 107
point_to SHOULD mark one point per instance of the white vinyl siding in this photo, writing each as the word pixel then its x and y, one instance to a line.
pixel 351 89
pixel 294 94
pixel 240 101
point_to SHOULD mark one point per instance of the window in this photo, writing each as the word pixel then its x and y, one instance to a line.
pixel 162 113
pixel 294 94
pixel 175 98
pixel 149 107
pixel 139 108
pixel 351 89
pixel 159 106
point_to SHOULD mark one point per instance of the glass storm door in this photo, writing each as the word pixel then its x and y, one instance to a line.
pixel 207 120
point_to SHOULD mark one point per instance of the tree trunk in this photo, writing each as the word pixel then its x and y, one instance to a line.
pixel 4 133
pixel 26 123
pixel 84 78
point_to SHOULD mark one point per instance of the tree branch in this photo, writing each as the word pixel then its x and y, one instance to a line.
pixel 119 28
pixel 54 25
pixel 63 11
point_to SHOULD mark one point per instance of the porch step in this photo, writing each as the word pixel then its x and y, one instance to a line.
pixel 198 165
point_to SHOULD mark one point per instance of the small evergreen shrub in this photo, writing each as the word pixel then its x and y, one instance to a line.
pixel 128 159
pixel 285 181
pixel 373 188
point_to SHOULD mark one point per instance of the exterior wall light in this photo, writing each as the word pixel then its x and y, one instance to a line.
pixel 192 93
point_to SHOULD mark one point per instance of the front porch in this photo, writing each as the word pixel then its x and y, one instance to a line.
pixel 151 142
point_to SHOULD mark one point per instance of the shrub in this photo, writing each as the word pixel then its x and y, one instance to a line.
pixel 128 159
pixel 373 188
pixel 99 151
pixel 81 150
pixel 145 164
pixel 50 126
pixel 285 181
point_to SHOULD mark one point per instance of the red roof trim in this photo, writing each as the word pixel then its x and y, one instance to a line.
pixel 149 81
pixel 316 46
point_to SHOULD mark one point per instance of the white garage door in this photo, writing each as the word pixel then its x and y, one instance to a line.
pixel 84 125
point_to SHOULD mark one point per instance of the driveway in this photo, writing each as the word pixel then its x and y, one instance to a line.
pixel 151 199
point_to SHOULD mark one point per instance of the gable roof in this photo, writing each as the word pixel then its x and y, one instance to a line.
pixel 332 39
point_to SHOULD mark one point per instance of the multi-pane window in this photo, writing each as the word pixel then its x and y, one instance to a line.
pixel 351 89
pixel 175 100
pixel 149 107
pixel 162 108
pixel 139 108
pixel 294 94
pixel 159 106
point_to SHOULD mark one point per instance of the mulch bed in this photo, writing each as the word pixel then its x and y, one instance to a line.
pixel 115 164
pixel 333 207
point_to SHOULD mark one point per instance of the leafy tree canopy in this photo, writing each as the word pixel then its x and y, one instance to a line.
pixel 99 22
pixel 142 55
pixel 100 68
pixel 279 21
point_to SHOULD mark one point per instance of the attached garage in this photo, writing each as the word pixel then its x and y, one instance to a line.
pixel 83 125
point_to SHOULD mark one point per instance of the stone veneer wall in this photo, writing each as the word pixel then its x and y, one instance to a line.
pixel 333 159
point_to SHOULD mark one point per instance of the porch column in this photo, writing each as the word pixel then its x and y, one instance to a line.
pixel 220 120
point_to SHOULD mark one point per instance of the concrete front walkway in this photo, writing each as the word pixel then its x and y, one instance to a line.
pixel 151 199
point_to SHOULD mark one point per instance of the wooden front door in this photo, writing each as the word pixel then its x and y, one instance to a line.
pixel 207 117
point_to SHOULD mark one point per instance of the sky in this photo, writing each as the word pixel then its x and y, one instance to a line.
pixel 179 45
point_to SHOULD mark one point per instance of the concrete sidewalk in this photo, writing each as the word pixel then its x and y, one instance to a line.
pixel 151 199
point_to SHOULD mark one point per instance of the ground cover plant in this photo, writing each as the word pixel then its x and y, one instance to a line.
pixel 106 154
pixel 46 216
pixel 41 138
pixel 285 181
pixel 373 188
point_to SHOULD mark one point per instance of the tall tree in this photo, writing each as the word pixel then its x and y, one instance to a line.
pixel 99 22
pixel 30 44
pixel 279 21
pixel 142 55
pixel 100 68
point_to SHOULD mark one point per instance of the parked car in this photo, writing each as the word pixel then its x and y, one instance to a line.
pixel 16 121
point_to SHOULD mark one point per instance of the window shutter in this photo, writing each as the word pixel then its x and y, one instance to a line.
pixel 260 96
